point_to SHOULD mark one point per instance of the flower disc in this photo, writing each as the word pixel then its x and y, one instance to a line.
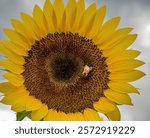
pixel 53 72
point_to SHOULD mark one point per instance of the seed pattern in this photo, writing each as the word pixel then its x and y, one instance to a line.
pixel 53 72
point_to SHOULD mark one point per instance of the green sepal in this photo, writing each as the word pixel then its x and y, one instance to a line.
pixel 21 115
pixel 3 69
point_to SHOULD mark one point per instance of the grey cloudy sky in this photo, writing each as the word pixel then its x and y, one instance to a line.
pixel 134 13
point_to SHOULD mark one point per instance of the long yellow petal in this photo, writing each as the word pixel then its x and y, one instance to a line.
pixel 127 54
pixel 127 76
pixel 8 88
pixel 31 25
pixel 111 24
pixel 80 8
pixel 16 80
pixel 75 116
pixel 126 65
pixel 115 115
pixel 40 20
pixel 37 115
pixel 52 115
pixel 17 49
pixel 115 38
pixel 59 11
pixel 18 38
pixel 20 28
pixel 120 98
pixel 63 23
pixel 8 100
pixel 14 97
pixel 14 68
pixel 33 104
pixel 104 105
pixel 122 87
pixel 48 12
pixel 97 22
pixel 20 106
pixel 61 116
pixel 121 46
pixel 91 115
pixel 87 19
pixel 107 29
pixel 70 14
pixel 12 56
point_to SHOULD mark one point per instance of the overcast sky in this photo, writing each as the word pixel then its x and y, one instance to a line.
pixel 134 13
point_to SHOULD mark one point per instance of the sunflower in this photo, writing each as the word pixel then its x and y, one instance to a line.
pixel 64 63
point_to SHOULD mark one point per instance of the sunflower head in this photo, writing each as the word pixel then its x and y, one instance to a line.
pixel 64 63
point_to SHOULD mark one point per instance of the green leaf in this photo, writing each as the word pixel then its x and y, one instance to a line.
pixel 21 115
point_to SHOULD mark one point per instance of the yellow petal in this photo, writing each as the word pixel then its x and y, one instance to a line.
pixel 126 65
pixel 120 98
pixel 14 68
pixel 79 12
pixel 19 107
pixel 115 115
pixel 48 12
pixel 18 38
pixel 115 38
pixel 7 88
pixel 31 25
pixel 7 100
pixel 127 76
pixel 40 20
pixel 97 22
pixel 70 14
pixel 91 115
pixel 107 29
pixel 37 115
pixel 20 28
pixel 75 116
pixel 12 56
pixel 52 115
pixel 122 87
pixel 111 24
pixel 14 97
pixel 104 105
pixel 19 104
pixel 121 46
pixel 61 116
pixel 127 54
pixel 33 104
pixel 59 11
pixel 17 49
pixel 63 23
pixel 87 19
pixel 16 80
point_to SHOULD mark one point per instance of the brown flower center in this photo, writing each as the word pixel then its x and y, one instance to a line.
pixel 66 71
